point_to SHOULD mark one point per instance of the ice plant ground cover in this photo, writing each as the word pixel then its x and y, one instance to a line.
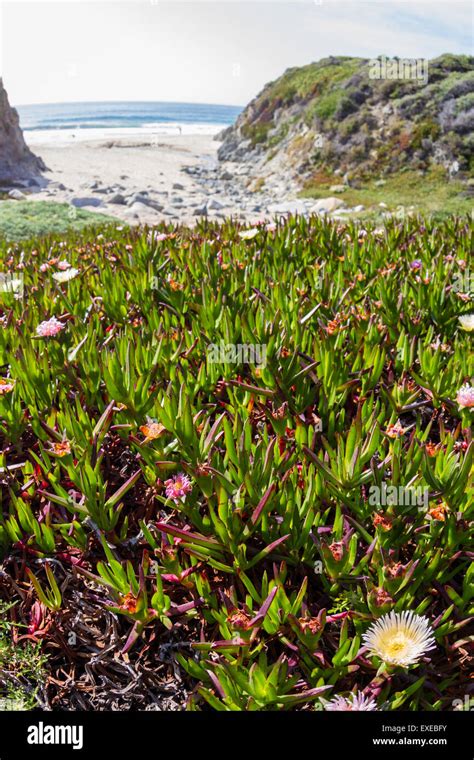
pixel 181 533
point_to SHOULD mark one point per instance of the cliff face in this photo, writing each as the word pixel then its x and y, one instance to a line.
pixel 341 117
pixel 17 162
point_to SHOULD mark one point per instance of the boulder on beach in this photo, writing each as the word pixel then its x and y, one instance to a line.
pixel 289 207
pixel 81 202
pixel 17 163
pixel 326 205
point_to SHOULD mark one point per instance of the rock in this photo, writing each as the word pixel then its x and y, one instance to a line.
pixel 117 198
pixel 141 208
pixel 326 205
pixel 17 162
pixel 290 207
pixel 337 188
pixel 130 215
pixel 155 205
pixel 177 186
pixel 200 211
pixel 17 195
pixel 227 175
pixel 358 208
pixel 380 183
pixel 56 186
pixel 215 204
pixel 80 202
pixel 145 201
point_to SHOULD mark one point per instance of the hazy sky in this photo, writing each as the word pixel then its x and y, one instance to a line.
pixel 209 52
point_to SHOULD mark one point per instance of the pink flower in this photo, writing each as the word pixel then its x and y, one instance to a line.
pixel 6 385
pixel 465 396
pixel 49 328
pixel 63 265
pixel 44 267
pixel 177 487
pixel 356 701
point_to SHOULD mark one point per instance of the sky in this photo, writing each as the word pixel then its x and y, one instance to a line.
pixel 205 52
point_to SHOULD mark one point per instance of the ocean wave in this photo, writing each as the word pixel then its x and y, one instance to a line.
pixel 121 116
pixel 66 136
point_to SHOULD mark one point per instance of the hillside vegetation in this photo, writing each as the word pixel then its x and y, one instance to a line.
pixel 330 124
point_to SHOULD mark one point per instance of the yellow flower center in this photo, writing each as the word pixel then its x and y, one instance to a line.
pixel 396 645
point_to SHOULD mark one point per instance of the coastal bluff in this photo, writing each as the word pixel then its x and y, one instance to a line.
pixel 18 165
pixel 343 122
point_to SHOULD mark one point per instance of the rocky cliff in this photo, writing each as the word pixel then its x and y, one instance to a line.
pixel 341 121
pixel 17 162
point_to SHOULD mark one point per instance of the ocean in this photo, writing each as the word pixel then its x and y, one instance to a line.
pixel 66 122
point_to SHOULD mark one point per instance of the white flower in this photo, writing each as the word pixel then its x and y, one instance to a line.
pixel 356 701
pixel 467 322
pixel 66 275
pixel 10 285
pixel 249 234
pixel 400 638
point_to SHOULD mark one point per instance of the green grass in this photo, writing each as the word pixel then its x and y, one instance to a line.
pixel 20 220
pixel 429 193
pixel 301 83
pixel 21 667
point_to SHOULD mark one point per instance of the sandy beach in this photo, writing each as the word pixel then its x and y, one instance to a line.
pixel 174 178
pixel 138 180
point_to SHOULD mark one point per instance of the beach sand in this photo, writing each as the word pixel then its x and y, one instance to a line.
pixel 177 179
pixel 130 167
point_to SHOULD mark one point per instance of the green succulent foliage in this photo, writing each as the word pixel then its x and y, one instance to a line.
pixel 282 546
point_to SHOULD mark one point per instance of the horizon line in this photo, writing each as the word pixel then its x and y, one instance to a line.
pixel 91 102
